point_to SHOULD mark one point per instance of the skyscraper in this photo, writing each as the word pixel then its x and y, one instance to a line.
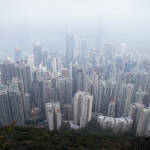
pixel 61 92
pixel 17 53
pixel 5 109
pixel 64 86
pixel 7 71
pixel 143 128
pixel 129 93
pixel 45 55
pixel 134 112
pixel 68 90
pixel 82 108
pixel 30 59
pixel 69 47
pixel 100 92
pixel 37 51
pixel 53 115
pixel 40 94
pixel 111 109
pixel 16 104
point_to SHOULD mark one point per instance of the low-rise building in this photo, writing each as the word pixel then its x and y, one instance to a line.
pixel 116 124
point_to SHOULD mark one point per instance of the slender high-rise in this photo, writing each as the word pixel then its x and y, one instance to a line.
pixel 143 128
pixel 69 47
pixel 16 104
pixel 82 108
pixel 5 109
pixel 53 115
pixel 37 51
pixel 8 71
pixel 17 53
pixel 111 109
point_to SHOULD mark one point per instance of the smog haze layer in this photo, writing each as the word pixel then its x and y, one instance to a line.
pixel 24 22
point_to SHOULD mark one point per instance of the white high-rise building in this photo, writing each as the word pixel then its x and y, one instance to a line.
pixel 100 91
pixel 129 93
pixel 134 112
pixel 139 96
pixel 57 116
pixel 50 115
pixel 53 115
pixel 143 128
pixel 111 109
pixel 82 108
pixel 30 59
pixel 54 65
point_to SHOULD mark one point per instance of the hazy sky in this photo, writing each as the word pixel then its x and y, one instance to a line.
pixel 33 10
pixel 124 21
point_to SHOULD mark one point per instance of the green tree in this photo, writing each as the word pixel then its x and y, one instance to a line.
pixel 65 126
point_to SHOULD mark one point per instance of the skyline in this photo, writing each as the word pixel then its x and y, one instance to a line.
pixel 74 61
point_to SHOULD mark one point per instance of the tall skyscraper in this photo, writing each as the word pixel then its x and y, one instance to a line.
pixel 100 92
pixel 40 95
pixel 7 71
pixel 53 115
pixel 143 128
pixel 111 109
pixel 27 103
pixel 16 104
pixel 17 53
pixel 48 64
pixel 45 55
pixel 128 98
pixel 64 86
pixel 134 112
pixel 139 95
pixel 37 51
pixel 68 90
pixel 110 92
pixel 69 47
pixel 23 72
pixel 61 92
pixel 117 108
pixel 30 59
pixel 82 108
pixel 5 109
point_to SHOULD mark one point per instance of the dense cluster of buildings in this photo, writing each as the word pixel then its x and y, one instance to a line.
pixel 72 86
